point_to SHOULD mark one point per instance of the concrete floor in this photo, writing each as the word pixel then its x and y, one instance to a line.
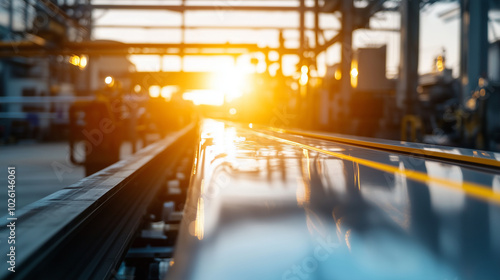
pixel 41 169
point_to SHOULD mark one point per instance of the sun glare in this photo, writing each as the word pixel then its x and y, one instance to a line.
pixel 231 82
pixel 205 97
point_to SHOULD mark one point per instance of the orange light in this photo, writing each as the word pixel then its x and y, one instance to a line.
pixel 109 80
pixel 304 69
pixel 354 74
pixel 440 64
pixel 338 74
pixel 74 60
pixel 137 88
pixel 167 91
pixel 304 78
pixel 83 62
pixel 154 91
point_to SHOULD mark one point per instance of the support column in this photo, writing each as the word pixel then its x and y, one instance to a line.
pixel 90 62
pixel 183 34
pixel 316 26
pixel 474 44
pixel 11 19
pixel 302 45
pixel 346 53
pixel 406 98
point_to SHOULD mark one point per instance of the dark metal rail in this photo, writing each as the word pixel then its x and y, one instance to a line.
pixel 84 230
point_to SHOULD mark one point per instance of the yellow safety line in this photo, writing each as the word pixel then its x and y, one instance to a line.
pixel 476 190
pixel 416 151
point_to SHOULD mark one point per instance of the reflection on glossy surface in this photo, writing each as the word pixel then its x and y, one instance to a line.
pixel 262 207
pixel 199 231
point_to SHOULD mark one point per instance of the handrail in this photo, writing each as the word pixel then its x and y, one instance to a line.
pixel 83 230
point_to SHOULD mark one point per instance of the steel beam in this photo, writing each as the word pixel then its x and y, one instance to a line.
pixel 372 8
pixel 331 6
pixel 327 44
pixel 366 13
pixel 55 10
pixel 8 49
pixel 114 45
pixel 214 27
pixel 179 8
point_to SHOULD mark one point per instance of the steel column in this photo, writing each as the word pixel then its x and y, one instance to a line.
pixel 408 68
pixel 302 46
pixel 346 51
pixel 316 28
pixel 474 44
pixel 11 19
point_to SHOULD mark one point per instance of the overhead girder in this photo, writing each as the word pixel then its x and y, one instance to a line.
pixel 118 48
pixel 361 18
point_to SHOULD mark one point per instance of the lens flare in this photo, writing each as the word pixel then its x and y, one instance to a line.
pixel 231 82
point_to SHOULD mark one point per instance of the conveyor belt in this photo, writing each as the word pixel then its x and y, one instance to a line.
pixel 267 204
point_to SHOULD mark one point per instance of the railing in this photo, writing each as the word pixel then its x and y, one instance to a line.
pixel 84 230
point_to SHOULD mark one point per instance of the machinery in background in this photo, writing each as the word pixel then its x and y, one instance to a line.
pixel 35 92
pixel 442 115
pixel 369 111
pixel 117 116
pixel 439 103
pixel 449 119
pixel 372 105
pixel 100 125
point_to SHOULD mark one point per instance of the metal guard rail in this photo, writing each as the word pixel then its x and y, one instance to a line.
pixel 84 230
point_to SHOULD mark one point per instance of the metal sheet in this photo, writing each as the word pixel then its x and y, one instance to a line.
pixel 264 207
